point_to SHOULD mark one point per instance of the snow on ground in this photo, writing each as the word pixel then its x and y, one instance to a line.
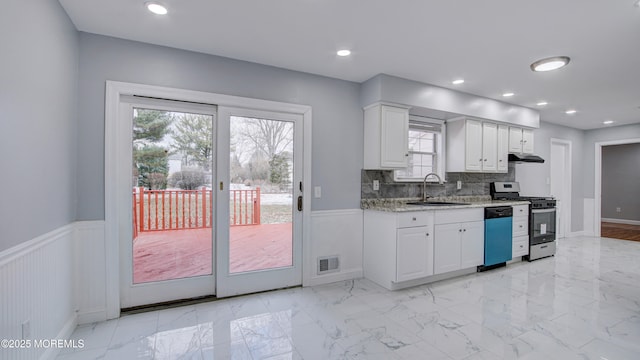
pixel 267 199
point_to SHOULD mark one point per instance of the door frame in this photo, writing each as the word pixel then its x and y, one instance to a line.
pixel 597 191
pixel 565 215
pixel 113 91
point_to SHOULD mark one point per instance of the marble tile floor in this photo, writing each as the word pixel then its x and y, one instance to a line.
pixel 584 303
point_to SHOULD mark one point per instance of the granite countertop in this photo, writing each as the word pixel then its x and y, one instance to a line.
pixel 400 204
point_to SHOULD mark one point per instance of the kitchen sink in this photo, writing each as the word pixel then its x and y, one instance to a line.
pixel 436 203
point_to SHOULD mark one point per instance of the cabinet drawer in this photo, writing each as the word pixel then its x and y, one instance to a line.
pixel 521 210
pixel 411 219
pixel 520 246
pixel 459 215
pixel 520 226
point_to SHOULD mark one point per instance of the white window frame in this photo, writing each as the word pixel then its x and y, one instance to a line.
pixel 440 149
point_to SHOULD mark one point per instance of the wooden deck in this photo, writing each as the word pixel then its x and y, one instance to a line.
pixel 173 254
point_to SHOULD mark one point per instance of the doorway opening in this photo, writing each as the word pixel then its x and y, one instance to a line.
pixel 620 207
pixel 598 190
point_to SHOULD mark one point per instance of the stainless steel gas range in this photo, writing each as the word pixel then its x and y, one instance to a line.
pixel 542 218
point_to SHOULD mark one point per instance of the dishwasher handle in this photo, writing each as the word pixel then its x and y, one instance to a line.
pixel 498 212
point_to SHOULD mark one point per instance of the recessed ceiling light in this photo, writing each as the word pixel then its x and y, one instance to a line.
pixel 156 8
pixel 458 81
pixel 571 112
pixel 344 52
pixel 542 103
pixel 551 63
pixel 608 122
pixel 508 94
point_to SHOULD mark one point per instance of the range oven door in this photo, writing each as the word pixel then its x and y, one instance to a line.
pixel 543 226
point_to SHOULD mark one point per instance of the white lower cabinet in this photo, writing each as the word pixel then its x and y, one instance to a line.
pixel 414 253
pixel 403 249
pixel 459 240
pixel 398 247
pixel 520 231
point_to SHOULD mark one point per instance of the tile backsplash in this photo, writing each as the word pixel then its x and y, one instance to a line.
pixel 472 184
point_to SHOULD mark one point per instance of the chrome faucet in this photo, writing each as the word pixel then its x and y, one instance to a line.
pixel 424 185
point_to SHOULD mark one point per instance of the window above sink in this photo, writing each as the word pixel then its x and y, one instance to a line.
pixel 426 145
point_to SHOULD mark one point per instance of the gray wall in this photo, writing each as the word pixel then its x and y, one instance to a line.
pixel 594 136
pixel 621 181
pixel 337 116
pixel 533 177
pixel 38 91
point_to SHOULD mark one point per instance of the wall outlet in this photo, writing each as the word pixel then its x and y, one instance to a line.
pixel 317 192
pixel 26 330
pixel 618 209
pixel 376 185
pixel 459 185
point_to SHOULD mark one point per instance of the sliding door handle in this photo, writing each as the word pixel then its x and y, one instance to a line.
pixel 299 203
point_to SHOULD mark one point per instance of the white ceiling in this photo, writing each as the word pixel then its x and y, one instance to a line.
pixel 490 43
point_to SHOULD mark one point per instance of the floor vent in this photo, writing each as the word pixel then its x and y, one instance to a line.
pixel 328 264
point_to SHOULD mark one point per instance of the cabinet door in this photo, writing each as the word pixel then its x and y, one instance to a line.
pixel 527 141
pixel 446 248
pixel 394 133
pixel 503 148
pixel 515 139
pixel 489 146
pixel 473 145
pixel 414 253
pixel 472 244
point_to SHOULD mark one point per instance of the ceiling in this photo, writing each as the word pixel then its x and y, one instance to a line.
pixel 489 43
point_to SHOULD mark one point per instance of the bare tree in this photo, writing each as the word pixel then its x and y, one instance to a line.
pixel 268 136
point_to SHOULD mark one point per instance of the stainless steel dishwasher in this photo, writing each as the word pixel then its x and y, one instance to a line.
pixel 497 236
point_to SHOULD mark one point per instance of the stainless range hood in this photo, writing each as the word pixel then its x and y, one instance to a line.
pixel 525 158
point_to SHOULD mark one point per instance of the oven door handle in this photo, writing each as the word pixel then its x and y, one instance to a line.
pixel 542 211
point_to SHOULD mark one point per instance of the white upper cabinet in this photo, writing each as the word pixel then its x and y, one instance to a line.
pixel 489 146
pixel 386 131
pixel 503 148
pixel 527 141
pixel 472 146
pixel 520 140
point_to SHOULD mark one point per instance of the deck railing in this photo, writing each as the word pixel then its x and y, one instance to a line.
pixel 162 210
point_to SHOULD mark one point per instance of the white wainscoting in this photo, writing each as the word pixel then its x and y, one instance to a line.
pixel 334 232
pixel 36 285
pixel 90 272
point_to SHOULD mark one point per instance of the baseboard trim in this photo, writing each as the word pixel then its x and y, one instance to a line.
pixel 331 278
pixel 89 317
pixel 64 334
pixel 621 221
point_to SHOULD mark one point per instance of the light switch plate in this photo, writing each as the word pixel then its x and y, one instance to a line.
pixel 317 192
pixel 376 185
pixel 459 185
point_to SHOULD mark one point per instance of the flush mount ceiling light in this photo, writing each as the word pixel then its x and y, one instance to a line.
pixel 608 122
pixel 542 103
pixel 343 52
pixel 458 81
pixel 571 112
pixel 551 63
pixel 156 8
pixel 508 94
